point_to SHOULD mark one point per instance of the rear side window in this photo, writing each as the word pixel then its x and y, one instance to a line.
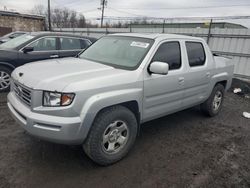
pixel 85 44
pixel 170 53
pixel 70 44
pixel 196 54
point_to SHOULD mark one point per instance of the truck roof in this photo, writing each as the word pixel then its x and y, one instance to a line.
pixel 156 36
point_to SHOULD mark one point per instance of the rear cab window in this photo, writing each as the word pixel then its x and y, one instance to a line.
pixel 196 53
pixel 169 52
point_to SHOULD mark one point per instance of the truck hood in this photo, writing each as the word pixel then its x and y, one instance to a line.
pixel 56 74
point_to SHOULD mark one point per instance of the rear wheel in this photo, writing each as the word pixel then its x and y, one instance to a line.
pixel 4 79
pixel 112 135
pixel 213 104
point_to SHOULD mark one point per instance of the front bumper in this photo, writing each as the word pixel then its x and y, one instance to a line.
pixel 57 129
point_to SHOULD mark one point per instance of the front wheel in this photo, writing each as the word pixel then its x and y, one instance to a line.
pixel 213 104
pixel 112 135
pixel 4 79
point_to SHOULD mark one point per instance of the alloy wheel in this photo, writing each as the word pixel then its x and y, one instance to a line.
pixel 4 80
pixel 115 137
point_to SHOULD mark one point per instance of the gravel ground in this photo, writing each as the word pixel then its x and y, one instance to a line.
pixel 185 149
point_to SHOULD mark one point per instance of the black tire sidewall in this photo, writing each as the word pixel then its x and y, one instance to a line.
pixel 210 109
pixel 94 147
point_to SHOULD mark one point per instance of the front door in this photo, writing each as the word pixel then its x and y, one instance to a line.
pixel 163 94
pixel 44 48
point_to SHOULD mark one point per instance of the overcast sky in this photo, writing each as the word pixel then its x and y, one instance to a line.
pixel 151 8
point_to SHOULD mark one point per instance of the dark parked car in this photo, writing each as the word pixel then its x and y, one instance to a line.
pixel 37 46
pixel 11 35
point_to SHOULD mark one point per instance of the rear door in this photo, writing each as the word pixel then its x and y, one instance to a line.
pixel 71 46
pixel 44 48
pixel 197 78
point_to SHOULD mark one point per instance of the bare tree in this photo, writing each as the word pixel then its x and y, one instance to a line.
pixel 62 17
pixel 73 19
pixel 81 21
pixel 66 16
pixel 39 10
pixel 57 17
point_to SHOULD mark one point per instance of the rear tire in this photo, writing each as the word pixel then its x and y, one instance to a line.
pixel 112 135
pixel 212 106
pixel 5 74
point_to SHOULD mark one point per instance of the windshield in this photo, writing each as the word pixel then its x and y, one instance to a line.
pixel 17 41
pixel 118 51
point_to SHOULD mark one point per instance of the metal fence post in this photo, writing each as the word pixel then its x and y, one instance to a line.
pixel 87 31
pixel 163 26
pixel 106 29
pixel 130 28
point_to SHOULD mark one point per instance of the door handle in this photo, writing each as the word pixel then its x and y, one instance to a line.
pixel 54 56
pixel 181 80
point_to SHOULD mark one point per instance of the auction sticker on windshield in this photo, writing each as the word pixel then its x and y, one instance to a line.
pixel 139 44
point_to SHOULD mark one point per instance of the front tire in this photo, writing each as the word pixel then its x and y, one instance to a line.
pixel 112 135
pixel 212 106
pixel 5 75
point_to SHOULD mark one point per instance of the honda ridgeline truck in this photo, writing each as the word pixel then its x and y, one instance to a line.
pixel 100 99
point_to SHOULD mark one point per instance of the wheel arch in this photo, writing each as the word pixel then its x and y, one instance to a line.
pixel 130 99
pixel 7 65
pixel 132 105
pixel 222 82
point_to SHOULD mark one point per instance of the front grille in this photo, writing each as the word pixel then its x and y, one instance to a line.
pixel 23 93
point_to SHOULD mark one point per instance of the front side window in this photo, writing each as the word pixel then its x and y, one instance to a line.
pixel 119 51
pixel 170 53
pixel 44 44
pixel 70 43
pixel 196 54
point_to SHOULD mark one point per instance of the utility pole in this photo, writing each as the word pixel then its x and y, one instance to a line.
pixel 49 20
pixel 209 31
pixel 103 4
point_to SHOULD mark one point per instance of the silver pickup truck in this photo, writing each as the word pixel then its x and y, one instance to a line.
pixel 101 98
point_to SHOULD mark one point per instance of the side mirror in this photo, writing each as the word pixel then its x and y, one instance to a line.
pixel 158 67
pixel 28 49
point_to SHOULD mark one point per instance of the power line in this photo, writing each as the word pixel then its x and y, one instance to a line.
pixel 138 16
pixel 176 8
pixel 72 4
pixel 116 10
pixel 177 18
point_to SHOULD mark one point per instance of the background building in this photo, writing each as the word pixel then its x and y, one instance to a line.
pixel 14 21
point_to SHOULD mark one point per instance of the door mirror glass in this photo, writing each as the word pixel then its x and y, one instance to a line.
pixel 28 49
pixel 158 67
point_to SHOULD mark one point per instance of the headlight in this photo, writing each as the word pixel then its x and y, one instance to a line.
pixel 57 99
